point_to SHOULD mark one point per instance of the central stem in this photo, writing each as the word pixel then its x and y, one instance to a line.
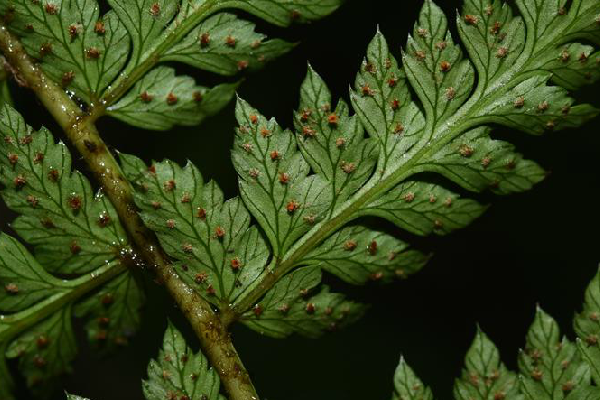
pixel 82 133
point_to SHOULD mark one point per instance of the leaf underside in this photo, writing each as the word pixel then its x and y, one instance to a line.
pixel 101 57
pixel 179 373
pixel 430 114
pixel 78 268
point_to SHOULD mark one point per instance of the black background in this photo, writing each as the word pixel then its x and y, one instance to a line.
pixel 539 247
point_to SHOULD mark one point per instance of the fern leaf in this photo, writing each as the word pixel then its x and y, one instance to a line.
pixel 290 307
pixel 445 130
pixel 332 141
pixel 179 31
pixel 584 393
pixel 100 58
pixel 303 187
pixel 211 47
pixel 424 208
pixel 72 230
pixel 587 326
pixel 550 367
pixel 485 376
pixel 79 268
pixel 178 372
pixel 39 361
pixel 274 181
pixel 77 47
pixel 408 386
pixel 216 249
pixel 162 100
pixel 496 167
pixel 119 317
pixel 145 20
pixel 37 328
pixel 220 255
pixel 358 255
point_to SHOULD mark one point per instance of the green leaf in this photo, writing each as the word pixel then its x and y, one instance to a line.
pixel 550 367
pixel 408 386
pixel 574 66
pixel 495 41
pixel 71 229
pixel 290 307
pixel 534 107
pixel 46 350
pixel 447 132
pixel 274 181
pixel 81 250
pixel 100 58
pixel 35 313
pixel 225 44
pixel 476 162
pixel 358 254
pixel 550 21
pixel 78 47
pixel 382 101
pixel 153 25
pixel 178 372
pixel 161 100
pixel 24 283
pixel 424 208
pixel 145 20
pixel 331 141
pixel 584 393
pixel 435 67
pixel 503 45
pixel 485 376
pixel 170 30
pixel 587 327
pixel 112 313
pixel 216 249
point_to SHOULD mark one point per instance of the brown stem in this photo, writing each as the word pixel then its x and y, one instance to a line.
pixel 82 133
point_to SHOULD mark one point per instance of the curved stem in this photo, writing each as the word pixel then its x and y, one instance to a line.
pixel 82 133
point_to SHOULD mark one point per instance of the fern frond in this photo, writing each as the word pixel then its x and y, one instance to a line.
pixel 80 264
pixel 485 376
pixel 290 307
pixel 334 179
pixel 219 254
pixel 550 364
pixel 101 58
pixel 179 373
pixel 303 188
pixel 550 367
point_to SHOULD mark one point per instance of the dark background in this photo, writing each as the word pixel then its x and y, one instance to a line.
pixel 539 247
